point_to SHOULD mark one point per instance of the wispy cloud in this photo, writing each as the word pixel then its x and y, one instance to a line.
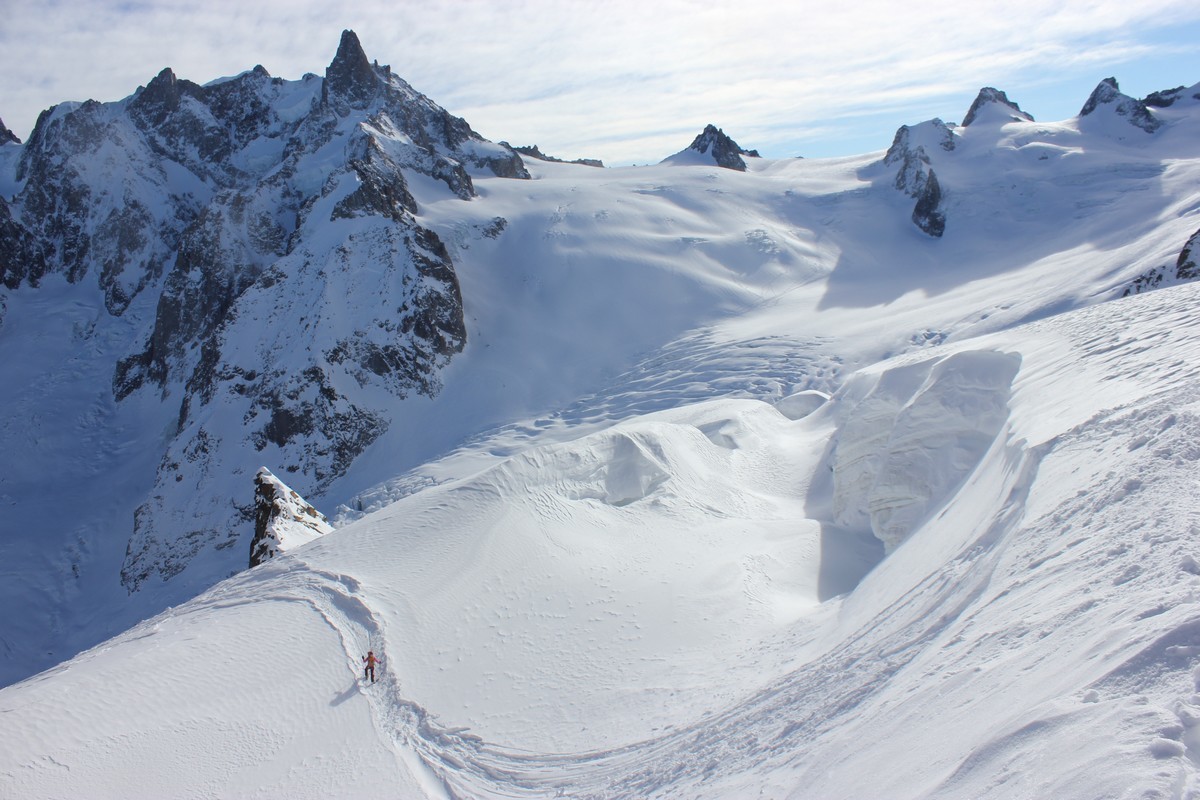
pixel 623 80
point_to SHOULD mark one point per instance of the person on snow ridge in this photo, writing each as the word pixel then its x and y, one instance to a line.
pixel 369 670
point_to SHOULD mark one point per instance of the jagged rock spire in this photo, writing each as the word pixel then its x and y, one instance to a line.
pixel 282 519
pixel 350 76
pixel 1107 91
pixel 160 97
pixel 989 96
pixel 7 136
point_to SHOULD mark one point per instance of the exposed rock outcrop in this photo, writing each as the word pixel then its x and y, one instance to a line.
pixel 915 177
pixel 7 136
pixel 928 214
pixel 1165 98
pixel 1187 267
pixel 283 519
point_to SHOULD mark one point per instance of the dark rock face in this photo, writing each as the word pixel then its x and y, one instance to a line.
pixel 264 546
pixel 928 214
pixel 1164 99
pixel 724 150
pixel 988 96
pixel 18 254
pixel 350 80
pixel 381 190
pixel 1107 95
pixel 915 176
pixel 1187 267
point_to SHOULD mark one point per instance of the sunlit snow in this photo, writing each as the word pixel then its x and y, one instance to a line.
pixel 744 487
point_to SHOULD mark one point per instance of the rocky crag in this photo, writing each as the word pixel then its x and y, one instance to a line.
pixel 259 243
pixel 282 519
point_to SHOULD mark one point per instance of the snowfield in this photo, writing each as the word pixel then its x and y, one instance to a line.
pixel 640 611
pixel 744 487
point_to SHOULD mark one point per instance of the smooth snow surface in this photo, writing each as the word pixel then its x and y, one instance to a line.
pixel 744 487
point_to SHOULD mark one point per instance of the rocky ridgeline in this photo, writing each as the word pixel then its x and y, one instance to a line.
pixel 533 151
pixel 232 225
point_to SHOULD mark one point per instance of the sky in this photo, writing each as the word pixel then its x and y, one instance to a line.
pixel 622 80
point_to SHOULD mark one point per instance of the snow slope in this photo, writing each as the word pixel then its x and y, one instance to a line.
pixel 628 551
pixel 639 611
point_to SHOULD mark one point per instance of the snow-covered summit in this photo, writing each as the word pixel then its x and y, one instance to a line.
pixel 251 277
pixel 1107 101
pixel 993 105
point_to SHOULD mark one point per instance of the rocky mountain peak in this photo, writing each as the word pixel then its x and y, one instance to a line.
pixel 713 146
pixel 350 75
pixel 162 91
pixel 993 100
pixel 1107 91
pixel 7 136
pixel 1108 95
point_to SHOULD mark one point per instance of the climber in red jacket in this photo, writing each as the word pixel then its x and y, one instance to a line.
pixel 369 670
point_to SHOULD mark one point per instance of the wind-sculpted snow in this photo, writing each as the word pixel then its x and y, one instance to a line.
pixel 688 371
pixel 916 433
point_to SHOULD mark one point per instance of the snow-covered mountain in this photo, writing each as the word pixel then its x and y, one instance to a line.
pixel 860 477
pixel 712 146
pixel 245 282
